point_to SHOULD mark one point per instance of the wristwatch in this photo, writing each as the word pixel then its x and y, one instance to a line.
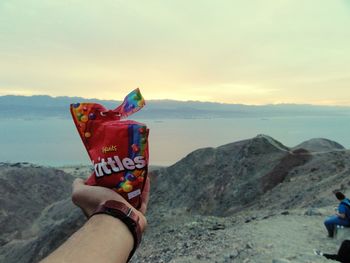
pixel 126 215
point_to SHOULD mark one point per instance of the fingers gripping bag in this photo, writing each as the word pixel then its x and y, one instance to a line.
pixel 118 148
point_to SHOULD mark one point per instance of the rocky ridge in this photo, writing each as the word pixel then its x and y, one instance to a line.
pixel 250 201
pixel 36 211
pixel 263 202
pixel 219 181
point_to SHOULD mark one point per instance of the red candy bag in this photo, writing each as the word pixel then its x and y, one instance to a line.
pixel 118 148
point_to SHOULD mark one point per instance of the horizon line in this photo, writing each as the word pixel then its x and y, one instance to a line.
pixel 179 100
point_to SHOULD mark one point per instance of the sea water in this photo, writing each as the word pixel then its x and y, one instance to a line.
pixel 55 142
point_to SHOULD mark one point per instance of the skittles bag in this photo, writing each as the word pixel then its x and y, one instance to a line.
pixel 118 148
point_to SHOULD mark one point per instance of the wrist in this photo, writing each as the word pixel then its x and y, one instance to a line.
pixel 106 226
pixel 125 214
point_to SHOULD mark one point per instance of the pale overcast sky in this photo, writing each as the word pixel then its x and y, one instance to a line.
pixel 232 51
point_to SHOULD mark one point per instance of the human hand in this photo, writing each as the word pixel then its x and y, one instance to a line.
pixel 88 198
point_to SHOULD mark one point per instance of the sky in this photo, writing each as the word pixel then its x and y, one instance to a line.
pixel 229 51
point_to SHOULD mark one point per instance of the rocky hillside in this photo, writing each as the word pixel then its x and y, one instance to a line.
pixel 36 211
pixel 252 173
pixel 250 201
pixel 262 202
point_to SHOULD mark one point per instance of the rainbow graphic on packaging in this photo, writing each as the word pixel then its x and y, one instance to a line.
pixel 118 148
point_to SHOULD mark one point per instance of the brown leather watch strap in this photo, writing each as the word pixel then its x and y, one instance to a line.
pixel 126 215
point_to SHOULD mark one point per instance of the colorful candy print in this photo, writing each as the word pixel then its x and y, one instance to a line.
pixel 135 148
pixel 123 166
pixel 84 118
pixel 127 187
pixel 130 177
pixel 142 130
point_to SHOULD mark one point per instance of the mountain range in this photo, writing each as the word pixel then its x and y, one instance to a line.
pixel 254 200
pixel 46 106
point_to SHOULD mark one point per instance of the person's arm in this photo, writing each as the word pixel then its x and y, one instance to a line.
pixel 341 211
pixel 341 215
pixel 103 238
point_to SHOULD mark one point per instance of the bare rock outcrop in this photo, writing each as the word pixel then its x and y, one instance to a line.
pixel 229 178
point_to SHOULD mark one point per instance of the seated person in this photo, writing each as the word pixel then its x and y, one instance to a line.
pixel 342 216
